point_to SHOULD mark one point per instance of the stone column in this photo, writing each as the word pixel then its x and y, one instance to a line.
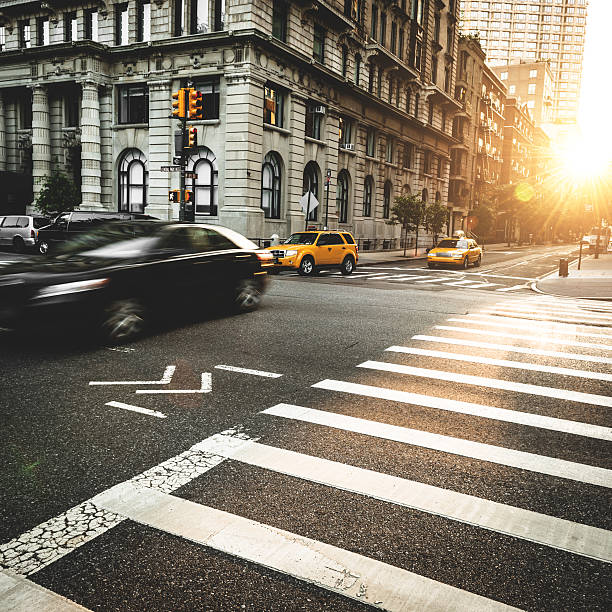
pixel 161 147
pixel 90 146
pixel 41 137
pixel 3 148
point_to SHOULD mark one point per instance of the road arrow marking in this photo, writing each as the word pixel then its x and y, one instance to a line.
pixel 154 413
pixel 205 388
pixel 165 379
pixel 248 371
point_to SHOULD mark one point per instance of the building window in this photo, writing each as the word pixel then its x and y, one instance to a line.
pixel 279 20
pixel 450 39
pixel 345 132
pixel 71 111
pixel 357 69
pixel 379 83
pixel 434 68
pixel 447 79
pixel 430 113
pixel 344 60
pixel 70 27
pixel 503 76
pixel 374 28
pixel 25 40
pixel 383 28
pixel 407 155
pixel 352 9
pixel 533 74
pixel 426 162
pixel 512 90
pixel 436 35
pixel 417 98
pixel 179 24
pixel 310 183
pixel 371 74
pixel 424 196
pixel 271 186
pixel 371 142
pixel 400 44
pixel 204 188
pixel 393 45
pixel 25 112
pixel 274 102
pixel 200 17
pixel 133 104
pixel 342 191
pixel 144 21
pixel 368 189
pixel 390 89
pixel 91 24
pixel 210 97
pixel 121 24
pixel 387 200
pixel 408 98
pixel 314 118
pixel 389 150
pixel 318 48
pixel 531 89
pixel 42 31
pixel 133 178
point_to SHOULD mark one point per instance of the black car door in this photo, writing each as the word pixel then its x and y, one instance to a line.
pixel 58 232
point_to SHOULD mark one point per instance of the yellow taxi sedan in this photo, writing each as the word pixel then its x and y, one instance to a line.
pixel 455 251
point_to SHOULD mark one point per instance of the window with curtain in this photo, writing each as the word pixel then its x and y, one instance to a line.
pixel 133 178
pixel 121 24
pixel 342 190
pixel 271 186
pixel 143 32
pixel 205 187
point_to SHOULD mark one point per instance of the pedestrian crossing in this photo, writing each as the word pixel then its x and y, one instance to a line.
pixel 528 488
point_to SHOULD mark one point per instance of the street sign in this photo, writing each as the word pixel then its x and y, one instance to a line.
pixel 170 168
pixel 176 160
pixel 191 175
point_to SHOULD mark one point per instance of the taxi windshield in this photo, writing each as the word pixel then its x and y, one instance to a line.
pixel 453 243
pixel 301 238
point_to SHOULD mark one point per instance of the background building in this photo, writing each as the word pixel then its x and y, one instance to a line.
pixel 360 89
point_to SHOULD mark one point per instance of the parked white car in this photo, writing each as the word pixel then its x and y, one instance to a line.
pixel 21 231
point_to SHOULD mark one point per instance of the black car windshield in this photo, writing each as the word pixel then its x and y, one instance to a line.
pixel 40 222
pixel 109 239
pixel 447 244
pixel 301 238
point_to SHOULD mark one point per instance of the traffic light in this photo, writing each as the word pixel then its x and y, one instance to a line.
pixel 192 138
pixel 178 104
pixel 196 104
pixel 174 195
pixel 188 196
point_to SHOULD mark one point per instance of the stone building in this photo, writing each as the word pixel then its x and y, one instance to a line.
pixel 517 150
pixel 359 89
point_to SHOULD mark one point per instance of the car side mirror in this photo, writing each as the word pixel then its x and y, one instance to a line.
pixel 427 249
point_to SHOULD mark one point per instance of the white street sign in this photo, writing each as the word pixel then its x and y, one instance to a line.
pixel 304 202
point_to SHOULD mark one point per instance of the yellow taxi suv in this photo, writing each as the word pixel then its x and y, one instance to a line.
pixel 311 251
pixel 455 251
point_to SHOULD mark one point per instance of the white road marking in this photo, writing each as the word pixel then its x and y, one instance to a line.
pixel 537 317
pixel 513 288
pixel 154 413
pixel 531 338
pixel 448 444
pixel 488 412
pixel 165 379
pixel 433 280
pixel 491 383
pixel 504 363
pixel 547 312
pixel 550 531
pixel 206 387
pixel 504 347
pixel 461 282
pixel 328 567
pixel 542 327
pixel 248 371
pixel 18 594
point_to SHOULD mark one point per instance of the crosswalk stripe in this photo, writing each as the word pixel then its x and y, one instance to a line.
pixel 448 444
pixel 542 327
pixel 510 520
pixel 537 317
pixel 504 363
pixel 513 288
pixel 544 312
pixel 480 410
pixel 507 347
pixel 491 383
pixel 248 371
pixel 132 408
pixel 468 282
pixel 341 571
pixel 18 594
pixel 433 280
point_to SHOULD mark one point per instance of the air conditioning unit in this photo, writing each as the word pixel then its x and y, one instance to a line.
pixel 318 110
pixel 348 146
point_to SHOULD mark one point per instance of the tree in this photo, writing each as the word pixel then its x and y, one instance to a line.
pixel 484 220
pixel 58 194
pixel 408 211
pixel 436 215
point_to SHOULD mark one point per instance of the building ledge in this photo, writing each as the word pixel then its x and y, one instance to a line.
pixel 274 128
pixel 316 141
pixel 128 126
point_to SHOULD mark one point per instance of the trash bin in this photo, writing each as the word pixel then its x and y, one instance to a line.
pixel 563 267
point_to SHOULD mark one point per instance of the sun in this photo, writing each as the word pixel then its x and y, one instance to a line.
pixel 585 159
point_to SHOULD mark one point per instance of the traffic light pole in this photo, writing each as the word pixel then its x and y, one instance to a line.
pixel 184 214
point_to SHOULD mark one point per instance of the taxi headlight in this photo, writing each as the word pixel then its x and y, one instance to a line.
pixel 66 288
pixel 290 253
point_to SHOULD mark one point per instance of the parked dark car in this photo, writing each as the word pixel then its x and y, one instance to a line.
pixel 67 224
pixel 121 276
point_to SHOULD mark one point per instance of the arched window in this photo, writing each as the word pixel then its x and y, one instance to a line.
pixel 205 187
pixel 357 69
pixel 133 178
pixel 311 183
pixel 416 105
pixel 368 189
pixel 438 197
pixel 408 100
pixel 342 191
pixel 271 186
pixel 387 200
pixel 344 60
pixel 406 191
pixel 424 195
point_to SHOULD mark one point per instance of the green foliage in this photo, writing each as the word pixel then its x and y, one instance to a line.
pixel 435 219
pixel 485 220
pixel 58 194
pixel 409 212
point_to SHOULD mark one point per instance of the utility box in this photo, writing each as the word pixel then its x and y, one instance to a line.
pixel 563 265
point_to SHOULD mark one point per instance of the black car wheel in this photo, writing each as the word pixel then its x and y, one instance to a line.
pixel 478 261
pixel 307 266
pixel 18 244
pixel 465 263
pixel 123 320
pixel 348 265
pixel 43 247
pixel 247 296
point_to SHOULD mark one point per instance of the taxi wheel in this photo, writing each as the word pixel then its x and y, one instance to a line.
pixel 247 296
pixel 478 261
pixel 307 267
pixel 123 321
pixel 465 263
pixel 347 266
pixel 43 247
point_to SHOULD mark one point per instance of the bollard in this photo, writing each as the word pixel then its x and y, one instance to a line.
pixel 563 271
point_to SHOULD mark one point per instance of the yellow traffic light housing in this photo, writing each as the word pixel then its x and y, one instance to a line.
pixel 192 138
pixel 178 104
pixel 196 104
pixel 188 195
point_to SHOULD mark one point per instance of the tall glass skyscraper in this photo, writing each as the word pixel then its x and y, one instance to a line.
pixel 532 30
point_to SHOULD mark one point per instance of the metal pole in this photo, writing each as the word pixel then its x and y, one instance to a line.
pixel 182 216
pixel 327 179
pixel 580 254
pixel 307 209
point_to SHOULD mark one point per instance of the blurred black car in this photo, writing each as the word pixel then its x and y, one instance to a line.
pixel 121 276
pixel 65 225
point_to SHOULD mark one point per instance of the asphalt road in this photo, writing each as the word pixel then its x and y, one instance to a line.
pixel 385 478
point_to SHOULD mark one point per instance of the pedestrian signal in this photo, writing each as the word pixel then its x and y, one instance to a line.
pixel 196 104
pixel 178 104
pixel 174 195
pixel 192 138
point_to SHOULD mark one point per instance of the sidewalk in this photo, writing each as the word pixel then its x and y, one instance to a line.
pixel 592 281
